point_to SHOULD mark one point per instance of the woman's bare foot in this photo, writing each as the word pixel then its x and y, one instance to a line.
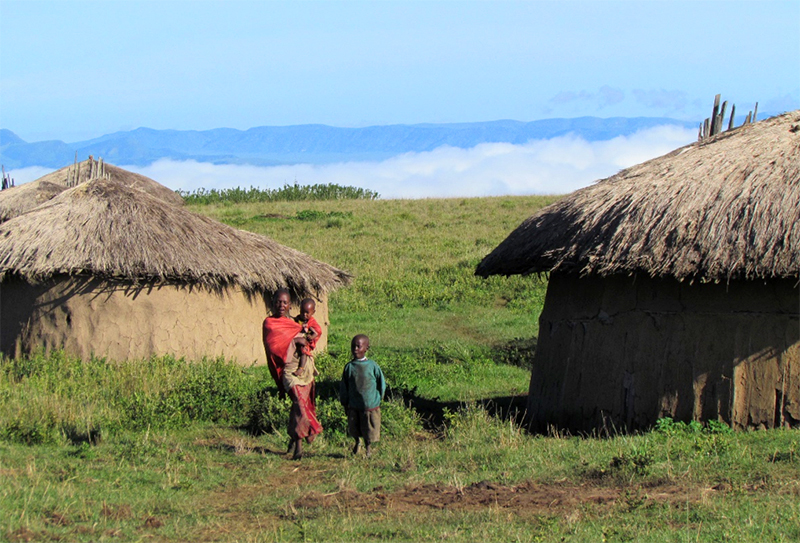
pixel 298 450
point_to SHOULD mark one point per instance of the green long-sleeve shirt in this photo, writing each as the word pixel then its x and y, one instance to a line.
pixel 363 385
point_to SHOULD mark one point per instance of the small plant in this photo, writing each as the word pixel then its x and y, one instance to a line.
pixel 669 427
pixel 637 460
pixel 718 427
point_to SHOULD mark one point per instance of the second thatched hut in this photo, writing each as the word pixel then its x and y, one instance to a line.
pixel 673 288
pixel 20 199
pixel 108 270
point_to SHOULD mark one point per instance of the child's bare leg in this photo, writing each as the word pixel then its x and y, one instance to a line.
pixel 367 450
pixel 357 446
pixel 301 366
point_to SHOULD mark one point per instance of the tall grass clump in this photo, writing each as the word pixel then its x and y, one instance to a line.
pixel 54 397
pixel 287 193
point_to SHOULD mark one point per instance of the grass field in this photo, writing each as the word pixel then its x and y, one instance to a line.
pixel 165 450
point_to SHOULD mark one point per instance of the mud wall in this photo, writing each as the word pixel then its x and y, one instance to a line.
pixel 121 321
pixel 622 352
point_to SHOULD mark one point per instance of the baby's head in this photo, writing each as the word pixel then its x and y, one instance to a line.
pixel 307 309
pixel 359 346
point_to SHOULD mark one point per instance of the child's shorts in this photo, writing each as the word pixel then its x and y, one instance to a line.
pixel 366 424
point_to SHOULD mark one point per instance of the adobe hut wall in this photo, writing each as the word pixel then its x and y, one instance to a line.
pixel 123 321
pixel 621 352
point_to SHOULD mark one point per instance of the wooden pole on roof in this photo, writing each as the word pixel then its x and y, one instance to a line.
pixel 714 127
pixel 722 116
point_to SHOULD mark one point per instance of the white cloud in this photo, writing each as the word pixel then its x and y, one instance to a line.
pixel 554 166
pixel 23 175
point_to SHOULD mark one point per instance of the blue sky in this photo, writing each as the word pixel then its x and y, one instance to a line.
pixel 72 70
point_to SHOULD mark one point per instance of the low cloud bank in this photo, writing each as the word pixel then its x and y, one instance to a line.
pixel 554 166
pixel 23 175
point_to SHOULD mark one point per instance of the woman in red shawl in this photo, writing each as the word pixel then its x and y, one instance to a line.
pixel 281 336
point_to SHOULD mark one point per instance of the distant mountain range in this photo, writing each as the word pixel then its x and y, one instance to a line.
pixel 307 144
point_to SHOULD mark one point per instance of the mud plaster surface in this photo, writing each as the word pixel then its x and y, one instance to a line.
pixel 623 352
pixel 124 321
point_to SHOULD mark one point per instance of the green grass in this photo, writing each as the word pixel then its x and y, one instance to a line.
pixel 413 263
pixel 211 482
pixel 174 450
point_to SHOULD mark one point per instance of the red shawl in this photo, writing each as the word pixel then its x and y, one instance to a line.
pixel 312 343
pixel 278 334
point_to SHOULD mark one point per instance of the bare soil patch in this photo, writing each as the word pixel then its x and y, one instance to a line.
pixel 527 498
pixel 116 512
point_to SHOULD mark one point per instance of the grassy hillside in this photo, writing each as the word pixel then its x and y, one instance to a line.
pixel 414 292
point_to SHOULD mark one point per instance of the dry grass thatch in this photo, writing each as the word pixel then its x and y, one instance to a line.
pixel 23 198
pixel 106 229
pixel 17 200
pixel 727 207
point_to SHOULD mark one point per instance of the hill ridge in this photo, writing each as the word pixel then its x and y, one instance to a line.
pixel 309 143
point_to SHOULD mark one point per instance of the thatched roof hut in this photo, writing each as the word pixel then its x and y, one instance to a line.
pixel 107 269
pixel 17 200
pixel 21 199
pixel 673 288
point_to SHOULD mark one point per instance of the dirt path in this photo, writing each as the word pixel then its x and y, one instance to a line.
pixel 527 498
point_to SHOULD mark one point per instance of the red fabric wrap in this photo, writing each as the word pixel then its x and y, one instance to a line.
pixel 303 423
pixel 278 334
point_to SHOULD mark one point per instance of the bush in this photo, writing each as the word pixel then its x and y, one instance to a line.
pixel 288 192
pixel 268 413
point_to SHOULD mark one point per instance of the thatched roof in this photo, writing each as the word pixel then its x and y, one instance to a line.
pixel 23 198
pixel 106 229
pixel 723 208
pixel 17 200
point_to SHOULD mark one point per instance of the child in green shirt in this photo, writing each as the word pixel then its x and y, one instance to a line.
pixel 361 391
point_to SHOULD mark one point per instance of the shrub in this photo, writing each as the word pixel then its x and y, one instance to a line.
pixel 268 412
pixel 288 192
